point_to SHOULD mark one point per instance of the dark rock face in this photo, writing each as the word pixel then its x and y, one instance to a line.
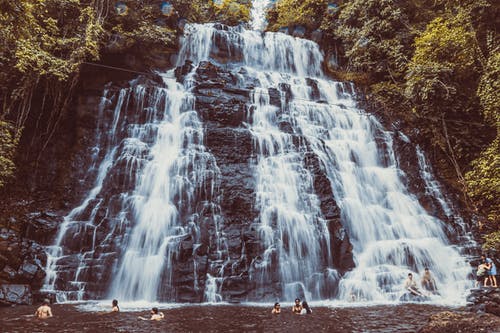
pixel 452 322
pixel 22 264
pixel 15 294
pixel 484 300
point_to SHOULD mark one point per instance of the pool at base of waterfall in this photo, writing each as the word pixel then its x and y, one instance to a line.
pixel 221 318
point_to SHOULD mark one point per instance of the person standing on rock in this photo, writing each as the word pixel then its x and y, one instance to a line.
pixel 44 310
pixel 492 271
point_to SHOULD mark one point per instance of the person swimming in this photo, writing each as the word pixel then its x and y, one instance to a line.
pixel 305 308
pixel 155 315
pixel 297 307
pixel 44 311
pixel 114 306
pixel 276 309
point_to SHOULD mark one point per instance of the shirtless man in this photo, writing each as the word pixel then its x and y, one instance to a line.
pixel 114 306
pixel 297 307
pixel 44 310
pixel 276 309
pixel 155 315
pixel 411 286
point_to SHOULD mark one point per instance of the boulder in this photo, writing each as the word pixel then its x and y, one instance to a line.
pixel 454 322
pixel 483 300
pixel 15 294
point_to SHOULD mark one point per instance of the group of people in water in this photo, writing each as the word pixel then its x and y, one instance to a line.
pixel 297 308
pixel 44 311
pixel 486 272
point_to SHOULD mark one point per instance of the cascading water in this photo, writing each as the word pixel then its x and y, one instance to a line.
pixel 165 201
pixel 391 233
pixel 162 156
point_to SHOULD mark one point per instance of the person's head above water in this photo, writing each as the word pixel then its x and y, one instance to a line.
pixel 276 305
pixel 114 302
pixel 154 310
pixel 46 301
pixel 305 305
pixel 297 301
pixel 410 275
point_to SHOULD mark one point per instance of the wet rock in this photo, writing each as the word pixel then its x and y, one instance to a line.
pixel 484 300
pixel 453 322
pixel 341 248
pixel 42 226
pixel 15 294
pixel 409 297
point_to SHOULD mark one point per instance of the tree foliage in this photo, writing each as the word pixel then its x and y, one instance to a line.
pixel 288 13
pixel 232 12
pixel 445 59
pixel 375 36
pixel 8 143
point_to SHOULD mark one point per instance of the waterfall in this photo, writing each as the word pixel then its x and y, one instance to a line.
pixel 258 13
pixel 391 232
pixel 153 222
pixel 162 169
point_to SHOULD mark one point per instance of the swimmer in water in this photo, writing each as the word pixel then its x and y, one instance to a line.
pixel 44 310
pixel 114 306
pixel 155 315
pixel 297 308
pixel 276 309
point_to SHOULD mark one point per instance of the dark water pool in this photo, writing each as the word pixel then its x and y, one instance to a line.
pixel 223 318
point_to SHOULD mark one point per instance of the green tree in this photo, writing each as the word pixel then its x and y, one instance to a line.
pixel 287 13
pixel 232 12
pixel 375 36
pixel 8 143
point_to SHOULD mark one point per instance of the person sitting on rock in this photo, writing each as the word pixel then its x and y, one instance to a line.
pixel 44 310
pixel 114 306
pixel 297 307
pixel 411 286
pixel 305 308
pixel 428 283
pixel 276 309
